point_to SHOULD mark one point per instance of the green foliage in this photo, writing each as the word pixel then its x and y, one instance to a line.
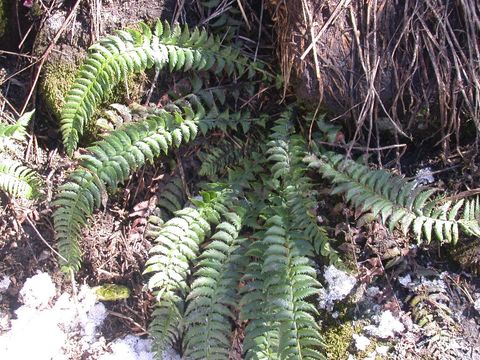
pixel 286 151
pixel 132 51
pixel 225 154
pixel 18 180
pixel 177 242
pixel 108 163
pixel 257 266
pixel 284 322
pixel 209 314
pixel 18 130
pixel 399 202
pixel 15 179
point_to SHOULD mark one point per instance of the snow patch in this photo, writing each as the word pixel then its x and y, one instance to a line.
pixel 361 342
pixel 51 330
pixel 388 325
pixel 405 280
pixel 38 291
pixel 4 284
pixel 339 285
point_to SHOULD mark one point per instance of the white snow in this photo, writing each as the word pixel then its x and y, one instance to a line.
pixel 372 291
pixel 38 291
pixel 381 350
pixel 424 176
pixel 388 325
pixel 4 284
pixel 339 285
pixel 405 280
pixel 361 342
pixel 45 329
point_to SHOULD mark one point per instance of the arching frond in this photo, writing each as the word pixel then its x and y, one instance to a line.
pixel 399 203
pixel 132 51
pixel 108 163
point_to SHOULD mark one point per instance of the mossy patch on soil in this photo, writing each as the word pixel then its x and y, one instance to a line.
pixel 58 76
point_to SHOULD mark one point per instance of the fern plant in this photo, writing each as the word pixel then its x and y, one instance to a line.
pixel 108 163
pixel 15 179
pixel 242 252
pixel 177 242
pixel 399 202
pixel 132 51
pixel 19 181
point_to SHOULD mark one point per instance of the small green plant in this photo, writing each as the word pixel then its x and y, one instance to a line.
pixel 15 179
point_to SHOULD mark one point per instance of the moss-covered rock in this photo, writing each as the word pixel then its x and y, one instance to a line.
pixel 58 76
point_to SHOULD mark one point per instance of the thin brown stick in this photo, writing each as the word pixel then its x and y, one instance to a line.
pixel 44 241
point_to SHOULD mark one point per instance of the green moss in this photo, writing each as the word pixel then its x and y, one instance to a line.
pixel 3 17
pixel 57 78
pixel 59 75
pixel 338 339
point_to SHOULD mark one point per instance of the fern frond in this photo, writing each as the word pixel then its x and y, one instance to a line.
pixel 132 51
pixel 225 154
pixel 76 201
pixel 261 332
pixel 17 131
pixel 213 293
pixel 288 278
pixel 171 198
pixel 167 325
pixel 19 181
pixel 110 162
pixel 398 202
pixel 286 151
pixel 177 244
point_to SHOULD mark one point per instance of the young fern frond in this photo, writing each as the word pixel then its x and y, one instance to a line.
pixel 17 131
pixel 19 181
pixel 209 314
pixel 114 57
pixel 286 151
pixel 399 202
